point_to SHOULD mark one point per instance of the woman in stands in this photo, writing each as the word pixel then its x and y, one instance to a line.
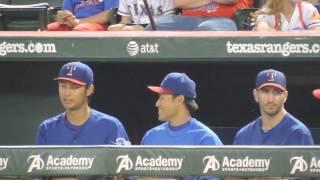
pixel 287 15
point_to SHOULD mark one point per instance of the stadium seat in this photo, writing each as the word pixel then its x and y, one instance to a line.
pixel 24 17
pixel 243 18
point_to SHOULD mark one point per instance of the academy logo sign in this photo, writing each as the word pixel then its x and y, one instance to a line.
pixel 67 163
pixel 3 163
pixel 299 164
pixel 140 163
pixel 133 48
pixel 228 164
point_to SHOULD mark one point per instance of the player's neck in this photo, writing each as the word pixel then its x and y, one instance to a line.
pixel 179 119
pixel 269 122
pixel 79 116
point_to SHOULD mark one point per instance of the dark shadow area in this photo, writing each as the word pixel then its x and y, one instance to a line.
pixel 29 95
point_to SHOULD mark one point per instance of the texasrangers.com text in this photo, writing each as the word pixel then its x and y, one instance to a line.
pixel 26 48
pixel 285 49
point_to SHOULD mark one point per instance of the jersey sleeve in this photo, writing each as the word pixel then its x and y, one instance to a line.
pixel 67 5
pixel 109 4
pixel 299 137
pixel 122 136
pixel 117 134
pixel 236 140
pixel 41 136
pixel 123 9
pixel 311 15
pixel 211 139
pixel 144 140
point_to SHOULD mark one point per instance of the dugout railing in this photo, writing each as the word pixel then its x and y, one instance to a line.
pixel 226 161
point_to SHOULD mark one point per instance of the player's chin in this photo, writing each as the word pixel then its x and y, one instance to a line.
pixel 161 118
pixel 68 106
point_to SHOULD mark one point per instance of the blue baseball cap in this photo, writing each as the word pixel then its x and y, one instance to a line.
pixel 76 72
pixel 176 83
pixel 271 77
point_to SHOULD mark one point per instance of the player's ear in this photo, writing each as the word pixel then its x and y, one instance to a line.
pixel 90 90
pixel 179 99
pixel 255 95
pixel 285 96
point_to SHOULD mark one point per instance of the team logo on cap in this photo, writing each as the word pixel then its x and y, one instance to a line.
pixel 71 69
pixel 271 76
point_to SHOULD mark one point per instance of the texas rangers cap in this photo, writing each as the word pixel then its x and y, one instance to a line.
pixel 76 72
pixel 271 77
pixel 176 83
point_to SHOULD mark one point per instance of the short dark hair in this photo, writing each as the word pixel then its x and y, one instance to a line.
pixel 190 103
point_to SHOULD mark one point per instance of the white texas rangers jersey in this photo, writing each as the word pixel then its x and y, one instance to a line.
pixel 137 11
pixel 302 18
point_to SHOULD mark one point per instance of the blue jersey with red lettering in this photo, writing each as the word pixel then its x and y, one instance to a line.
pixel 290 131
pixel 87 8
pixel 99 129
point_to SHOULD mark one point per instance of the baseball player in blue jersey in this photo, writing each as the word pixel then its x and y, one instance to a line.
pixel 275 126
pixel 79 124
pixel 176 103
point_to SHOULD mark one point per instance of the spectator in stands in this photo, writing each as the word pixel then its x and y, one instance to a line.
pixel 134 15
pixel 79 124
pixel 287 15
pixel 203 15
pixel 84 15
pixel 275 126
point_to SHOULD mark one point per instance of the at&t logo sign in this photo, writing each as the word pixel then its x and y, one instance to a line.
pixel 36 162
pixel 133 48
pixel 211 163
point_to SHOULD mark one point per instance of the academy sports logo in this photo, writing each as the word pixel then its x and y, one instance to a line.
pixel 3 163
pixel 59 163
pixel 228 164
pixel 133 48
pixel 299 164
pixel 211 164
pixel 125 163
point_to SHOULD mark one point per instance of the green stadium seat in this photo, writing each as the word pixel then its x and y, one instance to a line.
pixel 24 17
pixel 243 18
